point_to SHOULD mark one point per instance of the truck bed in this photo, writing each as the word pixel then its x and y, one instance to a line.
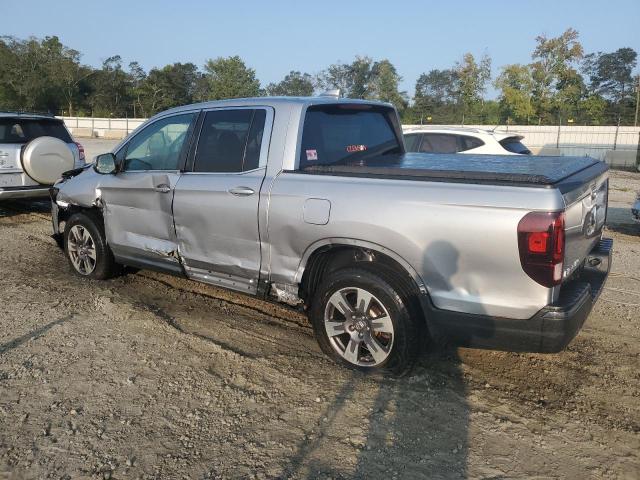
pixel 523 170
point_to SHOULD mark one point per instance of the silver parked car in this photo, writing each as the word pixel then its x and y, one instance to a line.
pixel 314 202
pixel 34 152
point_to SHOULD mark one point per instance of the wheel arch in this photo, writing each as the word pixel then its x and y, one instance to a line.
pixel 330 254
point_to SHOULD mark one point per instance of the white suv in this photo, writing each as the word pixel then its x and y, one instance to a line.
pixel 34 152
pixel 463 140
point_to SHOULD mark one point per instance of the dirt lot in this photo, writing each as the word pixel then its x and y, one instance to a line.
pixel 149 376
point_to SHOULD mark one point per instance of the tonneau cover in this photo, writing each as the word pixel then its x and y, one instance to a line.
pixel 509 169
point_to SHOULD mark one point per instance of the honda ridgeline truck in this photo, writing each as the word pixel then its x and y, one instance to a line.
pixel 315 203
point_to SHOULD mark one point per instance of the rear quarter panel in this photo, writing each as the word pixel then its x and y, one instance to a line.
pixel 461 239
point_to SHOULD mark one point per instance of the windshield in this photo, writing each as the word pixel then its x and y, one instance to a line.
pixel 341 134
pixel 514 145
pixel 19 130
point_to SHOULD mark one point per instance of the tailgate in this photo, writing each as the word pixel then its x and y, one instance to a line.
pixel 585 216
pixel 10 158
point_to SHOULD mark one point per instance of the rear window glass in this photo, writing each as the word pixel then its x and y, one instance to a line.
pixel 514 145
pixel 346 134
pixel 15 130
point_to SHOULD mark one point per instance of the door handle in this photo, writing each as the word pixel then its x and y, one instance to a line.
pixel 162 188
pixel 241 191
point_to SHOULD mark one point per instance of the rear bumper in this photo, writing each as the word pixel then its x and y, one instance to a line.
pixel 548 331
pixel 36 191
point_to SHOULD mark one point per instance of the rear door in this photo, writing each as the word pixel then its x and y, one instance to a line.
pixel 216 203
pixel 137 201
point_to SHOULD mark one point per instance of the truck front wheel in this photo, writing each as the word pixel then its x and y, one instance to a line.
pixel 86 248
pixel 364 322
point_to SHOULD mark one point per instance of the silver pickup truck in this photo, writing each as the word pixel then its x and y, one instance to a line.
pixel 315 203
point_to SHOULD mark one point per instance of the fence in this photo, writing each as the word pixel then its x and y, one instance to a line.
pixel 609 143
pixel 102 127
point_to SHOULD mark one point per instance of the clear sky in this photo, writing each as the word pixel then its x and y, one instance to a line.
pixel 274 37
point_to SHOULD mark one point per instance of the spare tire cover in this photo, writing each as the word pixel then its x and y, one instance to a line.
pixel 45 158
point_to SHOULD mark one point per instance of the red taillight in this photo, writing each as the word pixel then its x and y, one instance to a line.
pixel 81 151
pixel 541 245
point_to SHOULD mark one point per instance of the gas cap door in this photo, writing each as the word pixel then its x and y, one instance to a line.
pixel 316 211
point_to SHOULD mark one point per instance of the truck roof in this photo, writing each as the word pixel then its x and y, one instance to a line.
pixel 274 102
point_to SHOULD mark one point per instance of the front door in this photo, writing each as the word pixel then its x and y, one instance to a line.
pixel 216 203
pixel 137 202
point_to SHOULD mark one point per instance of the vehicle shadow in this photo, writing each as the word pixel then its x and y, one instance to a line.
pixel 415 426
pixel 11 208
pixel 32 335
pixel 619 220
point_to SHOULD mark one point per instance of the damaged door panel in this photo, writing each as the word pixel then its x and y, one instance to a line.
pixel 137 215
pixel 216 206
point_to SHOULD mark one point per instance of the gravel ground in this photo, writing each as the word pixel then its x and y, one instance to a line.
pixel 151 376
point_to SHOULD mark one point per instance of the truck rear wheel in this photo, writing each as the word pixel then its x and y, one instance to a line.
pixel 364 322
pixel 86 248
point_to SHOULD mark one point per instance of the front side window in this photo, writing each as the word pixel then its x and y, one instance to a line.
pixel 230 141
pixel 160 145
pixel 347 134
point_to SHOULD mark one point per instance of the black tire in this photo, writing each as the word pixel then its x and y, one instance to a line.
pixel 387 290
pixel 105 266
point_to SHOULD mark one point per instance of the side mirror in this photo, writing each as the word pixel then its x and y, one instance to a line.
pixel 106 164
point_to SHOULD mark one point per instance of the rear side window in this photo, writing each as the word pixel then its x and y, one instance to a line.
pixel 230 141
pixel 469 143
pixel 448 143
pixel 439 143
pixel 411 142
pixel 514 145
pixel 342 134
pixel 17 130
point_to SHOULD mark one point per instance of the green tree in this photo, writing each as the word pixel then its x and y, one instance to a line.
pixel 610 76
pixel 230 78
pixel 385 84
pixel 592 109
pixel 137 77
pixel 294 84
pixel 436 96
pixel 110 89
pixel 352 79
pixel 553 71
pixel 516 88
pixel 40 74
pixel 168 87
pixel 472 79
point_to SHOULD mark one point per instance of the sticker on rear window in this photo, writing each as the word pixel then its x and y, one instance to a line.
pixel 356 148
pixel 312 155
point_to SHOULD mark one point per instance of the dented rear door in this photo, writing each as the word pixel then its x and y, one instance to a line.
pixel 216 203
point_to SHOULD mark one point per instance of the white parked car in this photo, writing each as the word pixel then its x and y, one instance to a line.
pixel 463 140
pixel 34 152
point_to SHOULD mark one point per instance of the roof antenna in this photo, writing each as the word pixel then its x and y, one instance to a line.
pixel 335 93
